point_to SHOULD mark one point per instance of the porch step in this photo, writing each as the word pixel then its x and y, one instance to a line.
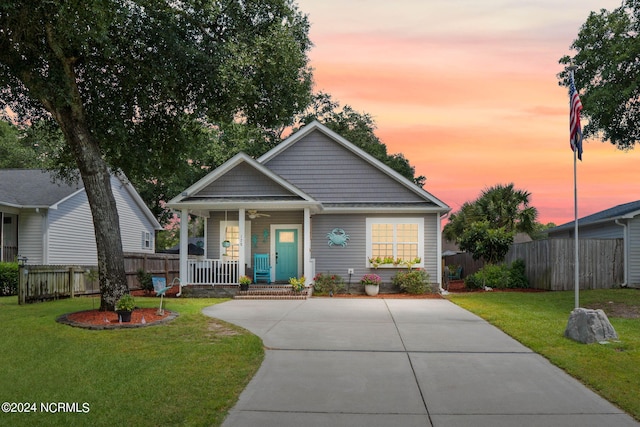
pixel 273 292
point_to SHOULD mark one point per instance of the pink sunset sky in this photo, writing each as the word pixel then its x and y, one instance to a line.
pixel 467 91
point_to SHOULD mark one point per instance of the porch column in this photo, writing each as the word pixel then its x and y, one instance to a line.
pixel 241 253
pixel 306 251
pixel 184 246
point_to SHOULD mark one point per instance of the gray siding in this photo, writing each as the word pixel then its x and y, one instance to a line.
pixel 243 180
pixel 330 173
pixel 71 237
pixel 337 259
pixel 633 263
pixel 607 230
pixel 30 236
pixel 133 222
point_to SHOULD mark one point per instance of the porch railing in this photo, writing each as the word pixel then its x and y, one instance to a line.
pixel 212 272
pixel 9 253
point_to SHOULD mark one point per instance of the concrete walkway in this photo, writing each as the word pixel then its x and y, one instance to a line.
pixel 400 362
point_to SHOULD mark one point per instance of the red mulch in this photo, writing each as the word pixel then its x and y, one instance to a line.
pixel 97 317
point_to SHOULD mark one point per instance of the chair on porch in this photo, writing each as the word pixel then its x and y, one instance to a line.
pixel 261 268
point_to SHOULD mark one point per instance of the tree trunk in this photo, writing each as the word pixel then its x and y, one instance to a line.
pixel 97 183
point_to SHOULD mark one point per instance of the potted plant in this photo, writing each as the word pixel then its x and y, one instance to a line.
pixel 125 306
pixel 371 284
pixel 245 281
pixel 297 284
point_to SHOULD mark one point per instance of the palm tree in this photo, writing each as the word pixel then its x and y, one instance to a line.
pixel 504 206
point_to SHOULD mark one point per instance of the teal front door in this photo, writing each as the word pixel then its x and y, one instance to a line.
pixel 286 254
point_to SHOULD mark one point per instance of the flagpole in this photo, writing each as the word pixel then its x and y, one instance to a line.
pixel 576 280
pixel 576 153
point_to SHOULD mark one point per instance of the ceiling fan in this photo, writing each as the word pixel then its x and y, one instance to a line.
pixel 253 214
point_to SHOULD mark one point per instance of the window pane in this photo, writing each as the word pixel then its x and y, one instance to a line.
pixel 407 251
pixel 287 237
pixel 232 234
pixel 382 250
pixel 407 232
pixel 382 232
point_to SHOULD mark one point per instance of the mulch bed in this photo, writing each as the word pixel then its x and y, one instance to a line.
pixel 96 319
pixel 385 296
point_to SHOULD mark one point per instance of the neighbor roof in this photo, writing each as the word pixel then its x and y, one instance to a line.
pixel 626 210
pixel 33 188
pixel 36 188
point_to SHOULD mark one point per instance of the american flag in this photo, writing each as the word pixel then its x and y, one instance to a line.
pixel 575 107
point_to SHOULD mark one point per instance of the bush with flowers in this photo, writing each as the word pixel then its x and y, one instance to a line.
pixel 371 279
pixel 327 284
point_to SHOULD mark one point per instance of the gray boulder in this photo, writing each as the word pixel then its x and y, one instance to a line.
pixel 588 326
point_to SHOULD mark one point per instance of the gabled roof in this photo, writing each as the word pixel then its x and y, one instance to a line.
pixel 35 188
pixel 316 126
pixel 626 210
pixel 196 196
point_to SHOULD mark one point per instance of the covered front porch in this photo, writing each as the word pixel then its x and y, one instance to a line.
pixel 233 238
pixel 248 211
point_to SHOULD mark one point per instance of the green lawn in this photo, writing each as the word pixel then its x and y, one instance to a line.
pixel 538 320
pixel 187 372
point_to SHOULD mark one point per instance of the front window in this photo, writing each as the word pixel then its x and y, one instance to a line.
pixel 394 239
pixel 231 241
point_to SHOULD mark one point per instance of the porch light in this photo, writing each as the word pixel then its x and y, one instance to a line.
pixel 22 260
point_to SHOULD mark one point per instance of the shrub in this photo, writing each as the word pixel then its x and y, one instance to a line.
pixel 125 303
pixel 8 278
pixel 412 281
pixel 517 275
pixel 325 284
pixel 499 276
pixel 145 279
pixel 297 284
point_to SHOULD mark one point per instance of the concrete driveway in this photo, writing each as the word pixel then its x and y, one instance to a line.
pixel 400 362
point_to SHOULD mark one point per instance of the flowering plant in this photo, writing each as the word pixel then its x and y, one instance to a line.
pixel 327 284
pixel 297 284
pixel 378 261
pixel 245 280
pixel 371 279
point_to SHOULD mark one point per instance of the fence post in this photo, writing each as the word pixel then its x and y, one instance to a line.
pixel 72 272
pixel 22 284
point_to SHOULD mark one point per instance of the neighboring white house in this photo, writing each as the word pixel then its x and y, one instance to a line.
pixel 50 222
pixel 618 222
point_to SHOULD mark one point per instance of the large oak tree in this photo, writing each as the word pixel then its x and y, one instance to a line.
pixel 130 82
pixel 607 73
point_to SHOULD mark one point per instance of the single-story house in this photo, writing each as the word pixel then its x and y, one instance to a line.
pixel 50 222
pixel 618 222
pixel 315 203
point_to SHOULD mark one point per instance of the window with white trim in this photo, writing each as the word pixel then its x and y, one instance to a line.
pixel 146 240
pixel 230 231
pixel 396 238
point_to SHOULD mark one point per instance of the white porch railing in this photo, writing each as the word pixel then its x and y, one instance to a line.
pixel 212 272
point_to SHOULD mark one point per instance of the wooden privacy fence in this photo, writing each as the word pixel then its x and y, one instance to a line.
pixel 464 260
pixel 46 282
pixel 550 263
